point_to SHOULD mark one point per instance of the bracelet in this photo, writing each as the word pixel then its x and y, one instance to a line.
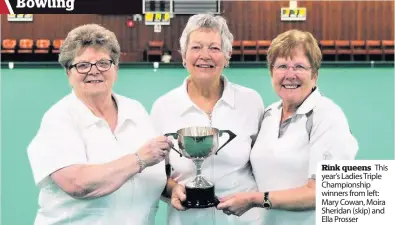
pixel 141 163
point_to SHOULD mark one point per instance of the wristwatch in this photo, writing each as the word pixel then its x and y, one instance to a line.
pixel 267 204
pixel 141 163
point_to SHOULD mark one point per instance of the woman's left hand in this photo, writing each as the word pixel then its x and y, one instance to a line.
pixel 237 204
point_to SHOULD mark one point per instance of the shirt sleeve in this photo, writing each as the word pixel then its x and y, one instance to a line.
pixel 331 139
pixel 57 144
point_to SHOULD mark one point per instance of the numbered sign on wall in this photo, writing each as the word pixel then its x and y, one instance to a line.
pixel 157 28
pixel 293 14
pixel 20 17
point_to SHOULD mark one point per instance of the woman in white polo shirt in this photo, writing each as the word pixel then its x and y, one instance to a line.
pixel 208 98
pixel 297 133
pixel 96 157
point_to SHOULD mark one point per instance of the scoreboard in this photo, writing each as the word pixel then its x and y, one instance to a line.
pixel 187 7
pixel 159 12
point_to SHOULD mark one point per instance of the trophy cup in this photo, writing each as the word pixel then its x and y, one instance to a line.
pixel 198 143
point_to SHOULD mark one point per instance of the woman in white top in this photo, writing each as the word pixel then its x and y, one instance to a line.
pixel 207 98
pixel 297 133
pixel 96 157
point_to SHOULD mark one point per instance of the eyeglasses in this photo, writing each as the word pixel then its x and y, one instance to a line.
pixel 85 67
pixel 297 68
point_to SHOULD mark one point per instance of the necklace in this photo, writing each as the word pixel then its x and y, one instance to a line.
pixel 209 114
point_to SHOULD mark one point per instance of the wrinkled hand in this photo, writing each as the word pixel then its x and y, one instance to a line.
pixel 178 196
pixel 237 204
pixel 155 150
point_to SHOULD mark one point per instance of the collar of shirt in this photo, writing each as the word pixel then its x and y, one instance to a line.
pixel 228 96
pixel 88 118
pixel 308 104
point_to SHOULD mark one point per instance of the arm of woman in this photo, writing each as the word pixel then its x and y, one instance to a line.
pixel 295 199
pixel 93 181
pixel 57 152
pixel 330 139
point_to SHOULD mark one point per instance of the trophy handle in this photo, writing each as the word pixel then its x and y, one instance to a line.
pixel 231 137
pixel 175 136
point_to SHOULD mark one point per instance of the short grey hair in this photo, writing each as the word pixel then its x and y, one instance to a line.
pixel 217 23
pixel 89 35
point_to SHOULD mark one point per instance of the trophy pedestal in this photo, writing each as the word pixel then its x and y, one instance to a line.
pixel 200 197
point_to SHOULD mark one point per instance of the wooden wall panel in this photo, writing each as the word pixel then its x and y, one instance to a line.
pixel 247 20
pixel 45 26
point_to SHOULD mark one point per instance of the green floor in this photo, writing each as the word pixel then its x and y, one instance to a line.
pixel 365 94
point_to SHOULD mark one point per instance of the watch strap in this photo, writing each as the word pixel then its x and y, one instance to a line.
pixel 267 204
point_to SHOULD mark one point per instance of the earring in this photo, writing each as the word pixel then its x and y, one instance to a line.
pixel 226 64
pixel 184 64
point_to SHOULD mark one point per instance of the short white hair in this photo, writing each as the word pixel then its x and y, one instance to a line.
pixel 209 21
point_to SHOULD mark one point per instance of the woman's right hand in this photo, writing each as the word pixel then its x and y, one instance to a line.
pixel 155 150
pixel 178 196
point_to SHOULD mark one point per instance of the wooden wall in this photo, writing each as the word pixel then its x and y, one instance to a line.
pixel 248 20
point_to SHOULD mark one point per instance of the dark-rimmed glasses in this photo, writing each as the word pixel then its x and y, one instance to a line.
pixel 84 67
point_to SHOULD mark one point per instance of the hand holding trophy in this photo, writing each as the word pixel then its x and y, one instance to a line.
pixel 198 143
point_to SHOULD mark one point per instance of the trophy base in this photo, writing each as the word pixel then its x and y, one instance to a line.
pixel 200 197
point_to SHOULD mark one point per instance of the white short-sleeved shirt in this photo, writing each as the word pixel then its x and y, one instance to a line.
pixel 71 134
pixel 240 110
pixel 285 157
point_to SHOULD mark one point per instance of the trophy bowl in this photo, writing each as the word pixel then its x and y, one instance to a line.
pixel 197 144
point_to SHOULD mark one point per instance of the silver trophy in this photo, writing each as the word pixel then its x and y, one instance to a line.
pixel 198 143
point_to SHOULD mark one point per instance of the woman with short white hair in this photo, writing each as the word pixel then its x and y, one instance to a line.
pixel 207 98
